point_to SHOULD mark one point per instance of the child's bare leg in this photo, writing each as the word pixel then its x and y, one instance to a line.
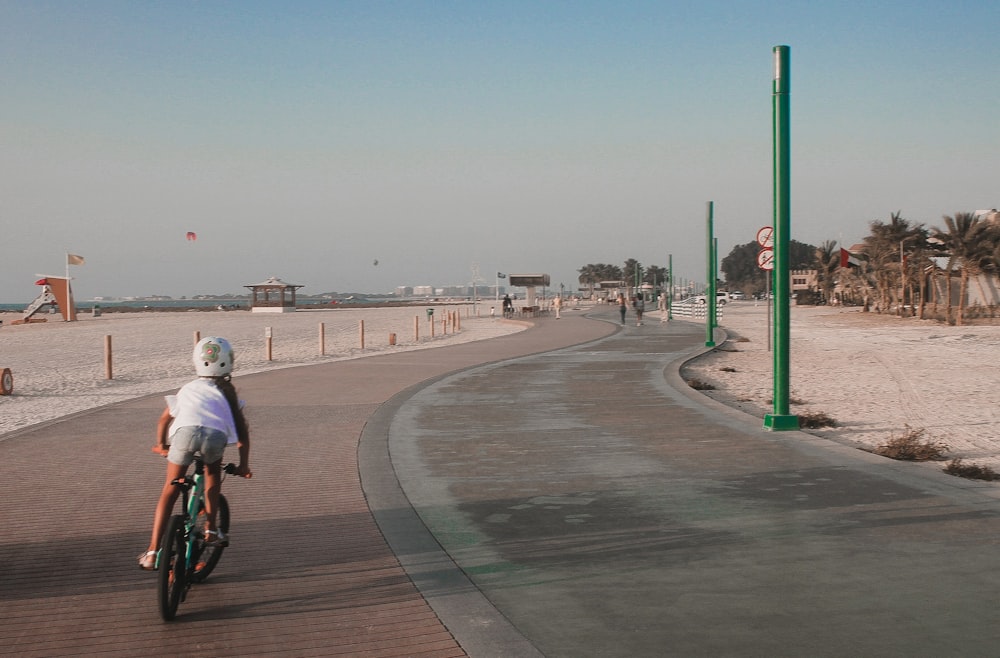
pixel 168 496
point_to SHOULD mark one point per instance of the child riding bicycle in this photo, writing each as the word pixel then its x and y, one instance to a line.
pixel 203 417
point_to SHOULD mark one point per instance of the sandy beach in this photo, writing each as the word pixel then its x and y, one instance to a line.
pixel 875 375
pixel 59 367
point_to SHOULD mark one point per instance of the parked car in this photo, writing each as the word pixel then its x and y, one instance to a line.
pixel 737 295
pixel 721 296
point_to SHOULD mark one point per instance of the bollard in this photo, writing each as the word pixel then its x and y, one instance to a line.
pixel 107 358
pixel 416 328
pixel 392 338
pixel 322 339
pixel 267 343
pixel 197 337
pixel 361 330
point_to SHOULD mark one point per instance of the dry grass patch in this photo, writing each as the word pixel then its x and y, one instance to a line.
pixel 727 369
pixel 912 446
pixel 816 420
pixel 971 471
pixel 699 385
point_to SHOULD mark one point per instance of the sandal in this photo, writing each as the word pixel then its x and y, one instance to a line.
pixel 216 538
pixel 147 560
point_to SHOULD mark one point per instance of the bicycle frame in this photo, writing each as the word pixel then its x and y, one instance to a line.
pixel 192 488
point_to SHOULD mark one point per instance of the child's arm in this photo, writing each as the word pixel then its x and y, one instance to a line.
pixel 162 426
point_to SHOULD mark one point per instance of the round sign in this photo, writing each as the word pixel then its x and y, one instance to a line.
pixel 765 237
pixel 765 259
pixel 6 382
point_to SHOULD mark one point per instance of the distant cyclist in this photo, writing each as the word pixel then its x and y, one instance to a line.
pixel 508 307
pixel 204 417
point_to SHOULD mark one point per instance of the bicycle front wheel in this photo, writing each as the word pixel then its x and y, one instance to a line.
pixel 172 568
pixel 209 554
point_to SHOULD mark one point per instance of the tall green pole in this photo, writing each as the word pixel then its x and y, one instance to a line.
pixel 781 90
pixel 710 293
pixel 670 287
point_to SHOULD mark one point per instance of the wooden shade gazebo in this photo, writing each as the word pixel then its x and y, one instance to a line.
pixel 273 296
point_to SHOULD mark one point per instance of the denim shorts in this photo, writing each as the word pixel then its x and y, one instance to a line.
pixel 187 441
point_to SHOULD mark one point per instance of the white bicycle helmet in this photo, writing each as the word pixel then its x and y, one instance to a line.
pixel 213 357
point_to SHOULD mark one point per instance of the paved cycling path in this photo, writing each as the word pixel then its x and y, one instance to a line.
pixel 595 505
pixel 309 572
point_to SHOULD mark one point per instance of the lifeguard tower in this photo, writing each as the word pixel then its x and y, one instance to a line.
pixel 56 291
pixel 529 282
pixel 273 296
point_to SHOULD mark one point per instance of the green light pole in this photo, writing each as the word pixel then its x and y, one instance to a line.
pixel 710 293
pixel 670 287
pixel 781 419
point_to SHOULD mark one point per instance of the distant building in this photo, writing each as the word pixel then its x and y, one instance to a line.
pixel 273 296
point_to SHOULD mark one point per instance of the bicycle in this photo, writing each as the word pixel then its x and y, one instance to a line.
pixel 185 558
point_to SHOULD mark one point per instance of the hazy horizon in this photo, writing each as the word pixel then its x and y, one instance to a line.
pixel 311 140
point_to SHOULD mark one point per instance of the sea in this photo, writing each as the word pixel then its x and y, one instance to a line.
pixel 131 304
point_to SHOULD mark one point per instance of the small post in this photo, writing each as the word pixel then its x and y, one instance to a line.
pixel 267 343
pixel 392 338
pixel 458 322
pixel 197 337
pixel 107 358
pixel 416 328
pixel 361 332
pixel 322 339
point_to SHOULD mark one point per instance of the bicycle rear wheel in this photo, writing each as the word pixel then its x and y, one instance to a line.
pixel 209 555
pixel 172 568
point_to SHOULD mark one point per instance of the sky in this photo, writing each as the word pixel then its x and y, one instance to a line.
pixel 308 140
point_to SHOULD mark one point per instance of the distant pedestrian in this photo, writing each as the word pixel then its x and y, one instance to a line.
pixel 557 304
pixel 622 306
pixel 640 307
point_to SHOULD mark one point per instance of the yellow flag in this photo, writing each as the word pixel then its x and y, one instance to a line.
pixel 72 259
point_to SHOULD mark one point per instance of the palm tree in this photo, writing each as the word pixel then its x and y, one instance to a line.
pixel 589 276
pixel 633 272
pixel 827 264
pixel 655 275
pixel 884 249
pixel 971 244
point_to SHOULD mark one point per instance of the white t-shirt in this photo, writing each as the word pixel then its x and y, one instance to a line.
pixel 201 404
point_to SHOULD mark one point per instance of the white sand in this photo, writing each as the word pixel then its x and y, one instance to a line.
pixel 873 374
pixel 59 367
